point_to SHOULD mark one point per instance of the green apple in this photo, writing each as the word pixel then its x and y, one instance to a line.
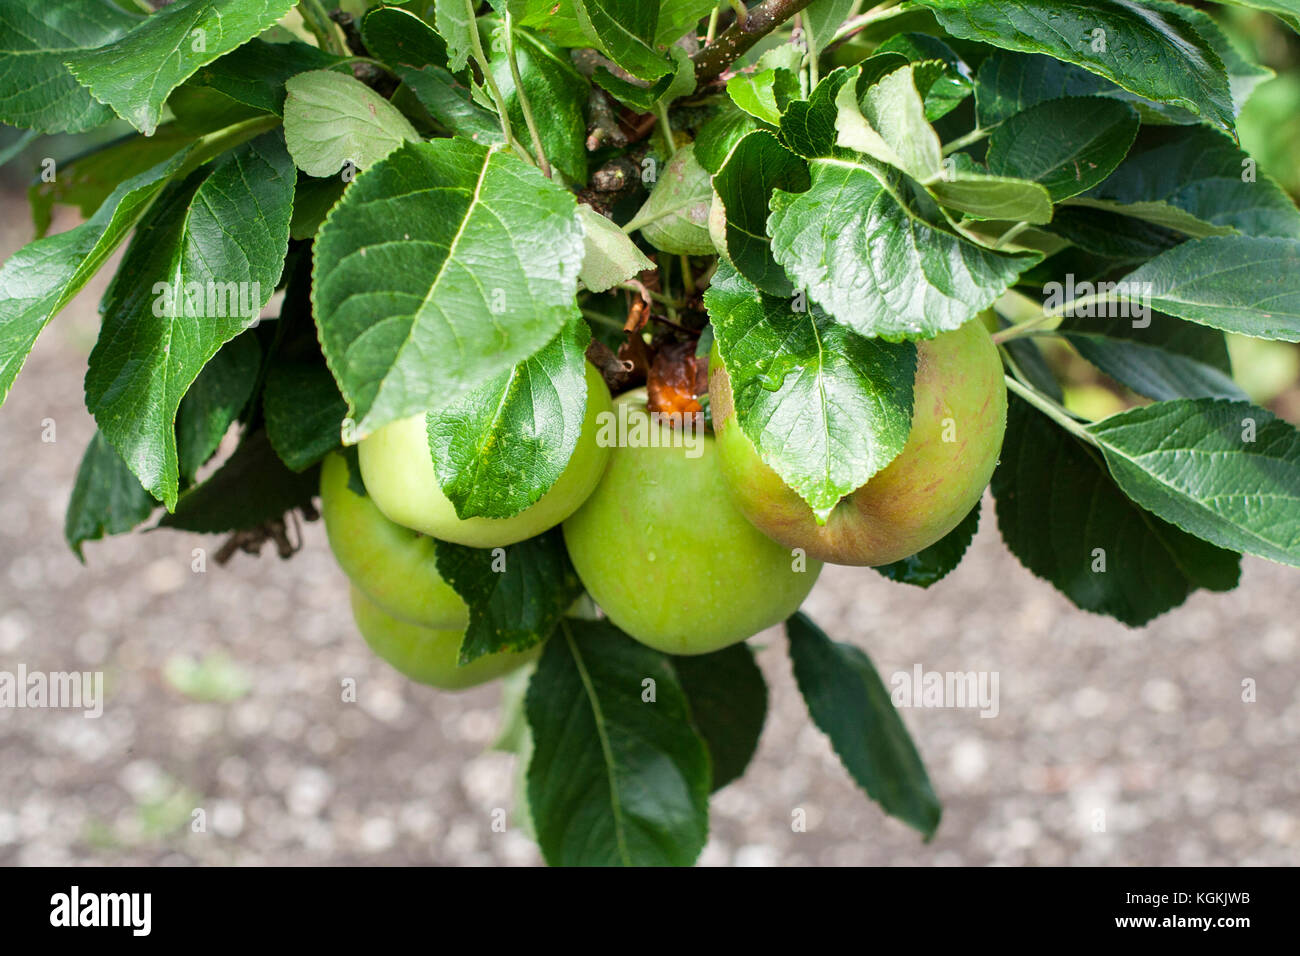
pixel 959 414
pixel 426 654
pixel 398 472
pixel 393 565
pixel 664 552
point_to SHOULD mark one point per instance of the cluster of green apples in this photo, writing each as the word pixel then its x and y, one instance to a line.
pixel 687 546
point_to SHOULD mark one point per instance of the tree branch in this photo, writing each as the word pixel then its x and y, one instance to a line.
pixel 736 40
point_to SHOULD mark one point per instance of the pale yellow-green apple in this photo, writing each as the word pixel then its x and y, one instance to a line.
pixel 959 414
pixel 665 553
pixel 428 655
pixel 398 471
pixel 393 565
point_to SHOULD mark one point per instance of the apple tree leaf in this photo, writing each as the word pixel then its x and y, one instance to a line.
pixel 626 33
pixel 516 594
pixel 443 265
pixel 826 407
pixel 106 497
pixel 200 267
pixel 451 103
pixel 400 38
pixel 756 168
pixel 876 266
pixel 1227 472
pixel 250 487
pixel 454 19
pixel 1069 145
pixel 728 698
pixel 1062 515
pixel 614 780
pixel 214 401
pixel 42 277
pixel 1167 359
pixel 1151 53
pixel 558 94
pixel 1199 172
pixel 675 217
pixel 851 705
pixel 37 91
pixel 331 119
pixel 886 121
pixel 500 447
pixel 610 257
pixel 1234 283
pixel 175 41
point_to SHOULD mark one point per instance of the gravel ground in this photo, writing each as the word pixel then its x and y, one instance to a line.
pixel 1144 728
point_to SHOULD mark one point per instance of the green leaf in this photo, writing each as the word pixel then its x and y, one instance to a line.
pixel 1243 74
pixel 950 84
pixel 850 705
pixel 251 487
pixel 36 90
pixel 675 218
pixel 764 95
pixel 887 122
pixel 875 266
pixel 719 136
pixel 1202 174
pixel 106 498
pixel 1060 513
pixel 454 20
pixel 1115 238
pixel 1010 83
pixel 757 169
pixel 516 594
pixel 1234 283
pixel 679 17
pixel 728 699
pixel 825 407
pixel 304 412
pixel 331 119
pixel 1149 53
pixel 400 38
pixel 624 32
pixel 1167 359
pixel 1228 472
pixel 1288 11
pixel 175 41
pixel 808 126
pixel 86 181
pixel 42 277
pixel 610 257
pixel 614 779
pixel 255 74
pixel 940 559
pixel 1069 145
pixel 201 266
pixel 500 447
pixel 821 19
pixel 214 401
pixel 558 95
pixel 555 18
pixel 484 275
pixel 451 104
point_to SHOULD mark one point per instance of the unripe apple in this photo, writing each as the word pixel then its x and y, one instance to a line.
pixel 664 552
pixel 428 655
pixel 394 566
pixel 397 468
pixel 959 414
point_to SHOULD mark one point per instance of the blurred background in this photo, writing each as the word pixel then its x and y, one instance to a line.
pixel 223 686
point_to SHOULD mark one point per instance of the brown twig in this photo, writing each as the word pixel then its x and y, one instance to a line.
pixel 761 20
